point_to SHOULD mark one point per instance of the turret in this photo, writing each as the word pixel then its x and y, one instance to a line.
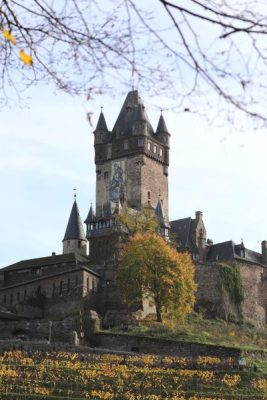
pixel 74 239
pixel 164 225
pixel 89 221
pixel 101 131
pixel 162 133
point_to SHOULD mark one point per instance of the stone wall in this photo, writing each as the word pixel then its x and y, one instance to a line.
pixel 155 182
pixel 209 294
pixel 148 345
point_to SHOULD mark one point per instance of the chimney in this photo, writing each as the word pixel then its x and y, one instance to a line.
pixel 199 215
pixel 264 252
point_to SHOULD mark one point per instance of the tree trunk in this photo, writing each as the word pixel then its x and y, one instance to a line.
pixel 159 318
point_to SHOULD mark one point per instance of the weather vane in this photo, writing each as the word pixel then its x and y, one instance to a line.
pixel 75 195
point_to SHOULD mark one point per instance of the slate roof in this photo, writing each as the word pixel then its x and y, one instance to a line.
pixel 45 261
pixel 228 251
pixel 132 110
pixel 101 124
pixel 182 229
pixel 159 210
pixel 91 216
pixel 74 229
pixel 162 128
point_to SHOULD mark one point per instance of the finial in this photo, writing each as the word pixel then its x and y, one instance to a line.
pixel 159 194
pixel 101 108
pixel 75 195
pixel 161 111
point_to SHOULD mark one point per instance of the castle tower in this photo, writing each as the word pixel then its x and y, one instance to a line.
pixel 131 168
pixel 74 239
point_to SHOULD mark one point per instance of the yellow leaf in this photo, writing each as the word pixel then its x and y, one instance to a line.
pixel 25 58
pixel 9 37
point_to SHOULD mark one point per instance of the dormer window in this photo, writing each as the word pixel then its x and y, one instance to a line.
pixel 140 142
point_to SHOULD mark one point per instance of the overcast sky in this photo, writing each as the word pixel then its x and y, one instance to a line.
pixel 47 150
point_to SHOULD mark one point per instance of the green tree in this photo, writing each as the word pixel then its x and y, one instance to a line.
pixel 150 267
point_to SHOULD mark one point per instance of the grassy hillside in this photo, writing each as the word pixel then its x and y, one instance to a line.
pixel 198 329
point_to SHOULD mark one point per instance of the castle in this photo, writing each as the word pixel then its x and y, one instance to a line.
pixel 131 169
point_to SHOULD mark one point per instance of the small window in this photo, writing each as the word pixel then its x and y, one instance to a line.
pixel 11 299
pixel 106 175
pixel 140 142
pixel 68 243
pixel 68 284
pixel 87 285
pixel 76 281
pixel 93 288
pixel 160 152
pixel 25 294
pixel 54 289
pixel 61 287
pixel 108 224
pixel 125 145
pixel 5 299
pixel 149 146
pixel 148 195
pixel 155 149
pixel 92 226
pixel 79 244
pixel 18 297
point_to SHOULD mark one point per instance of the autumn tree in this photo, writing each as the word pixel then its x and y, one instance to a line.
pixel 205 54
pixel 132 221
pixel 150 267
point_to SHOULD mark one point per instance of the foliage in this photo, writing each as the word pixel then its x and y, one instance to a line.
pixel 191 50
pixel 133 221
pixel 231 282
pixel 150 266
pixel 51 375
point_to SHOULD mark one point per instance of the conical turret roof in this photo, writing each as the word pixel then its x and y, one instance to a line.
pixel 91 216
pixel 132 109
pixel 159 210
pixel 101 124
pixel 162 128
pixel 74 229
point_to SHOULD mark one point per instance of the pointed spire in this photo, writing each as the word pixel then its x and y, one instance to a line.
pixel 91 215
pixel 131 111
pixel 159 210
pixel 101 124
pixel 162 128
pixel 74 229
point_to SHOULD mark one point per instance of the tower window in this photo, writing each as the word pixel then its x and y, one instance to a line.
pixel 68 284
pixel 155 149
pixel 160 152
pixel 68 243
pixel 54 289
pixel 11 299
pixel 125 145
pixel 79 244
pixel 105 174
pixel 25 294
pixel 87 285
pixel 61 287
pixel 148 195
pixel 76 280
pixel 140 142
pixel 149 146
pixel 18 296
pixel 4 299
